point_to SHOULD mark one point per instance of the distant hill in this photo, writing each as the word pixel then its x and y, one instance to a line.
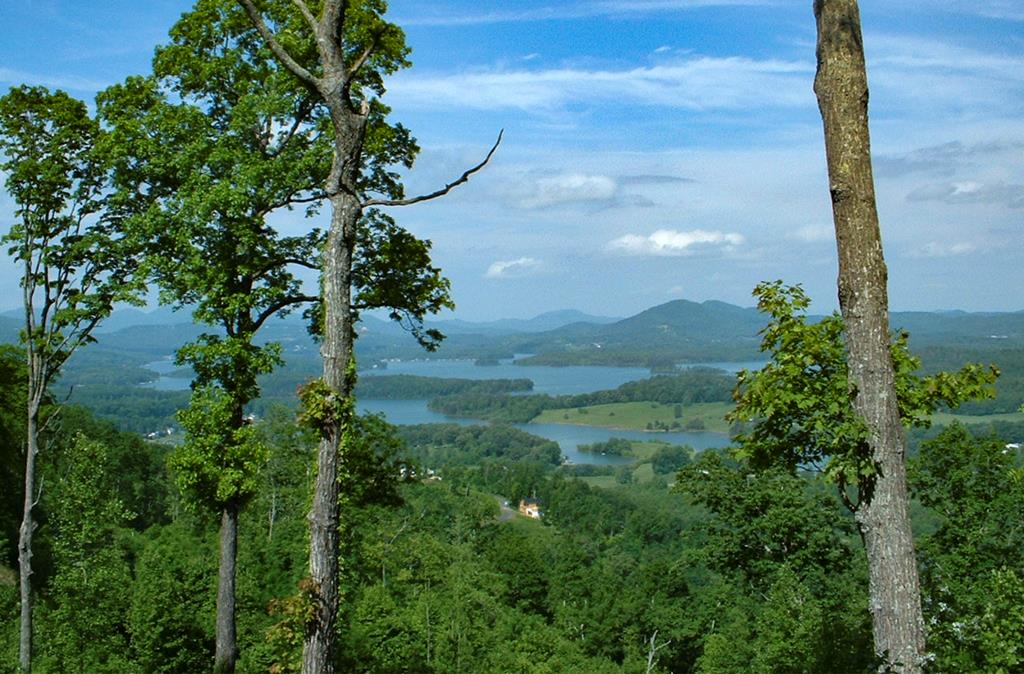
pixel 9 329
pixel 550 320
pixel 960 326
pixel 676 331
pixel 682 330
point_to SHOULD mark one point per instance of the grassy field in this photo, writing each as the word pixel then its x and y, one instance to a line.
pixel 643 472
pixel 637 416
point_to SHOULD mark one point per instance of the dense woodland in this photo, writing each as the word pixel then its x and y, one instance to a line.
pixel 725 567
pixel 276 530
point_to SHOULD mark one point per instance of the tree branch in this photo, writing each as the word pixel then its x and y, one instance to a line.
pixel 306 14
pixel 281 304
pixel 305 107
pixel 362 58
pixel 280 52
pixel 841 484
pixel 444 190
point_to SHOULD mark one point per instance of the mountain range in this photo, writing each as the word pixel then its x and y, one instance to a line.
pixel 676 331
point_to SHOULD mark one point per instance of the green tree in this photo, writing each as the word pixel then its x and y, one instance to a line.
pixel 87 626
pixel 171 599
pixel 340 54
pixel 802 405
pixel 785 573
pixel 972 565
pixel 73 267
pixel 196 179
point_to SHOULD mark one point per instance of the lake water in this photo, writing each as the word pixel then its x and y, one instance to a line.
pixel 164 367
pixel 548 380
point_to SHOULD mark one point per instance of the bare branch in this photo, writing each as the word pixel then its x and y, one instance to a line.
pixel 290 200
pixel 845 497
pixel 280 52
pixel 306 14
pixel 305 107
pixel 441 192
pixel 281 304
pixel 362 58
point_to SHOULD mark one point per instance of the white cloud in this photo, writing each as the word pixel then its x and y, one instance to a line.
pixel 946 158
pixel 938 75
pixel 992 9
pixel 508 268
pixel 702 83
pixel 971 192
pixel 569 188
pixel 943 249
pixel 669 242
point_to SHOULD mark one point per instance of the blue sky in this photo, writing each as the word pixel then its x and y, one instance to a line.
pixel 656 149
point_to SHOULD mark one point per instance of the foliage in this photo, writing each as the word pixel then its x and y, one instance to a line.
pixel 972 565
pixel 171 601
pixel 440 445
pixel 671 458
pixel 613 446
pixel 784 550
pixel 320 406
pixel 695 385
pixel 219 461
pixel 800 401
pixel 86 630
pixel 12 459
pixel 74 267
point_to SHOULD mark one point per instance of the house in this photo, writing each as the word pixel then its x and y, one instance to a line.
pixel 531 507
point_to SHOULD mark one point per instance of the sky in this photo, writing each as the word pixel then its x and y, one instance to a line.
pixel 654 149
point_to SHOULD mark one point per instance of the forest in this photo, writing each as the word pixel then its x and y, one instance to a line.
pixel 860 513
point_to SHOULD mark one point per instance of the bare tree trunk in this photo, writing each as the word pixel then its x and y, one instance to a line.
pixel 25 535
pixel 883 513
pixel 227 648
pixel 319 645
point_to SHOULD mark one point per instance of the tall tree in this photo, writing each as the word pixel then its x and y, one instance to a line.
pixel 73 268
pixel 341 54
pixel 841 86
pixel 803 403
pixel 197 180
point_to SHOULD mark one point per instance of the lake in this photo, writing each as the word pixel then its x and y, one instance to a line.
pixel 548 380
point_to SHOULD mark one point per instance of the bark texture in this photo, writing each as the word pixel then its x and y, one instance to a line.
pixel 25 540
pixel 227 649
pixel 882 515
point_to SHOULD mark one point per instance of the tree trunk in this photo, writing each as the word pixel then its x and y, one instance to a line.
pixel 227 649
pixel 882 516
pixel 25 534
pixel 324 517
